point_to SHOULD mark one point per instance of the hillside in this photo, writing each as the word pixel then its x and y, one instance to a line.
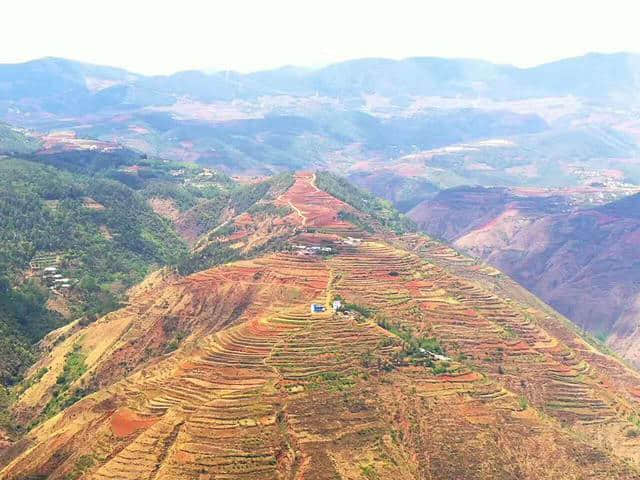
pixel 16 141
pixel 436 366
pixel 81 227
pixel 82 220
pixel 582 260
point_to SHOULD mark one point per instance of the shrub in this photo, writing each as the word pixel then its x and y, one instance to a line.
pixel 369 472
pixel 361 309
pixel 523 402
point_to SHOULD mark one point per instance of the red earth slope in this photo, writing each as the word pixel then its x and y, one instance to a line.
pixel 583 261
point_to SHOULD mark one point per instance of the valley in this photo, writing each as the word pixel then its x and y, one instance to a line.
pixel 431 123
pixel 226 373
pixel 555 244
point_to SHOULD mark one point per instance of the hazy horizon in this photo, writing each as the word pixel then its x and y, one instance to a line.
pixel 245 36
pixel 315 67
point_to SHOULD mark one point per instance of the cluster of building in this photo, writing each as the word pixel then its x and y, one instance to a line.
pixel 54 280
pixel 307 250
pixel 320 308
pixel 46 265
pixel 324 250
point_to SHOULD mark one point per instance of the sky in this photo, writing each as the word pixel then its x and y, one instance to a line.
pixel 161 37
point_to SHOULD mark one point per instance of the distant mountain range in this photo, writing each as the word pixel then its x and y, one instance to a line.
pixel 593 76
pixel 344 114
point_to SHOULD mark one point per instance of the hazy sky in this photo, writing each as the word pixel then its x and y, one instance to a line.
pixel 167 36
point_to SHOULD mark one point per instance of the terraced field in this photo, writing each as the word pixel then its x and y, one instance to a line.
pixel 255 386
pixel 315 208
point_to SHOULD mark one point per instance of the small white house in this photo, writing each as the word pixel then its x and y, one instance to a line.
pixel 337 305
pixel 434 355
